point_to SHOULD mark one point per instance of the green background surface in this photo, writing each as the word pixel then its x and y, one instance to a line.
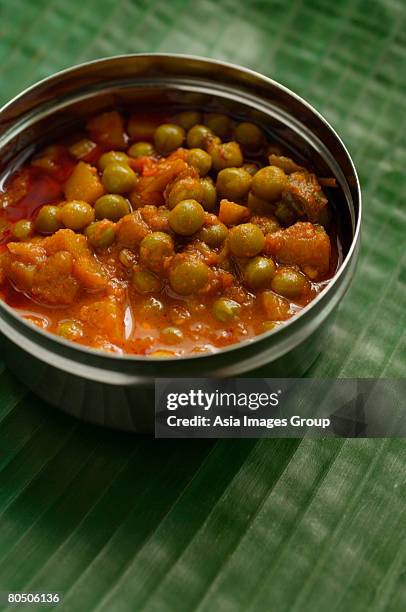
pixel 115 522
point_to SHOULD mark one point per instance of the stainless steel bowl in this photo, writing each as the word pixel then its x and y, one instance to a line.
pixel 115 390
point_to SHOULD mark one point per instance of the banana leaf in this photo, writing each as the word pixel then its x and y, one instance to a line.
pixel 115 522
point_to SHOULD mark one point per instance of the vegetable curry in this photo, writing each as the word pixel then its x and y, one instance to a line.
pixel 158 235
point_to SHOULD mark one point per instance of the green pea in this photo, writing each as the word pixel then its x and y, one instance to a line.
pixel 154 249
pixel 187 217
pixel 172 335
pixel 248 135
pixel 187 188
pixel 213 235
pixel 118 178
pixel 209 199
pixel 141 149
pixel 70 329
pixel 48 220
pixel 246 240
pixel 284 213
pixel 198 136
pixel 145 281
pixel 112 157
pixel 23 229
pixel 111 206
pixel 226 310
pixel 220 124
pixel 259 272
pixel 269 182
pixel 289 282
pixel 233 183
pixel 101 234
pixel 187 119
pixel 188 276
pixel 76 215
pixel 200 160
pixel 168 137
pixel 225 155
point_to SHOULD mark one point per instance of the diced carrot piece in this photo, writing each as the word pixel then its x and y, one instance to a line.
pixel 231 213
pixel 328 181
pixel 179 153
pixel 84 184
pixel 146 166
pixel 303 244
pixel 108 129
pixel 277 308
pixel 149 166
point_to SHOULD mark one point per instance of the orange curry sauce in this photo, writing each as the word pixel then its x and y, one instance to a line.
pixel 89 294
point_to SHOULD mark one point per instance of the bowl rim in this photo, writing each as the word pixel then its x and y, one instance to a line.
pixel 280 329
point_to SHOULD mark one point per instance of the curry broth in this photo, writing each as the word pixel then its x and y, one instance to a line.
pixel 117 297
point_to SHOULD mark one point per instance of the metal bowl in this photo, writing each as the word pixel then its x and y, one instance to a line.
pixel 115 390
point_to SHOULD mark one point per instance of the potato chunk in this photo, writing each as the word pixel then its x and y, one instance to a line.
pixel 106 318
pixel 149 189
pixel 131 229
pixel 231 213
pixel 66 240
pixel 47 279
pixel 53 270
pixel 156 218
pixel 84 184
pixel 108 129
pixel 89 274
pixel 53 282
pixel 304 193
pixel 303 244
pixel 277 308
